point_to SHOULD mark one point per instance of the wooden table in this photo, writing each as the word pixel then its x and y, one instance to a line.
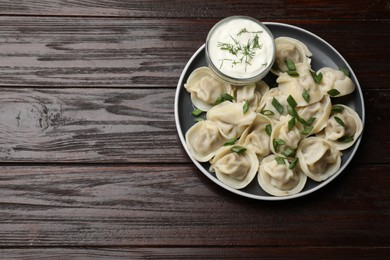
pixel 91 163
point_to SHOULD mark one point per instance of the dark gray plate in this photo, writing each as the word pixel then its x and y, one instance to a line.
pixel 324 55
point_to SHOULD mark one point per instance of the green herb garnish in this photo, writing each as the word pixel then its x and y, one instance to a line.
pixel 290 65
pixel 276 142
pixel 291 101
pixel 267 112
pixel 339 121
pixel 306 95
pixel 280 160
pixel 307 130
pixel 231 141
pixel 293 73
pixel 345 71
pixel 289 152
pixel 291 123
pixel 337 109
pixel 224 97
pixel 268 130
pixel 197 112
pixel 333 92
pixel 293 163
pixel 238 149
pixel 317 77
pixel 245 107
pixel 243 51
pixel 277 105
pixel 345 139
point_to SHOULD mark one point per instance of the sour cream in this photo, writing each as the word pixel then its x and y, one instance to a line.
pixel 240 49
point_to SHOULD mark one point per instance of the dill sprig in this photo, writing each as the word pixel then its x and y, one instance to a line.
pixel 244 52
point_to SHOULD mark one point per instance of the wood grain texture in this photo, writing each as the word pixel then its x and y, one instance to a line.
pixel 125 125
pixel 138 205
pixel 361 252
pixel 150 53
pixel 88 125
pixel 268 9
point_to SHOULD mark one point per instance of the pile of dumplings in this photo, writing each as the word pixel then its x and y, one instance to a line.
pixel 283 135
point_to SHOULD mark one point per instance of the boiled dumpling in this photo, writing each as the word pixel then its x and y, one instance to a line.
pixel 343 128
pixel 251 93
pixel 235 169
pixel 289 48
pixel 267 104
pixel 336 79
pixel 205 88
pixel 276 177
pixel 231 118
pixel 295 86
pixel 284 141
pixel 256 138
pixel 203 140
pixel 319 110
pixel 318 158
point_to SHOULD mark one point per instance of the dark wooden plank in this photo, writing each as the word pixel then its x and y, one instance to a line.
pixel 361 252
pixel 269 9
pixel 138 205
pixel 126 125
pixel 90 52
pixel 86 125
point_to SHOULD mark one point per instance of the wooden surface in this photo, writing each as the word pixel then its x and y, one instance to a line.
pixel 91 163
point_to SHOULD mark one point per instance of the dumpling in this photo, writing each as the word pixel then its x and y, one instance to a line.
pixel 205 88
pixel 235 169
pixel 256 138
pixel 343 128
pixel 231 118
pixel 276 177
pixel 295 86
pixel 252 93
pixel 320 111
pixel 336 79
pixel 284 141
pixel 203 140
pixel 289 48
pixel 318 158
pixel 268 105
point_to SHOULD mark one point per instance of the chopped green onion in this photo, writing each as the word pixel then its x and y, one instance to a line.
pixel 307 130
pixel 245 107
pixel 345 139
pixel 333 92
pixel 197 112
pixel 345 71
pixel 293 163
pixel 293 73
pixel 276 142
pixel 317 77
pixel 267 112
pixel 277 105
pixel 238 149
pixel 306 95
pixel 290 65
pixel 280 160
pixel 289 152
pixel 337 109
pixel 268 129
pixel 199 119
pixel 291 101
pixel 339 121
pixel 224 97
pixel 231 141
pixel 291 123
pixel 310 121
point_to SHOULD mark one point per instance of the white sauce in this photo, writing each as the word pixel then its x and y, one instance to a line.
pixel 241 66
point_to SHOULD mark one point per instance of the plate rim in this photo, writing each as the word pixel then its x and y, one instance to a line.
pixel 270 197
